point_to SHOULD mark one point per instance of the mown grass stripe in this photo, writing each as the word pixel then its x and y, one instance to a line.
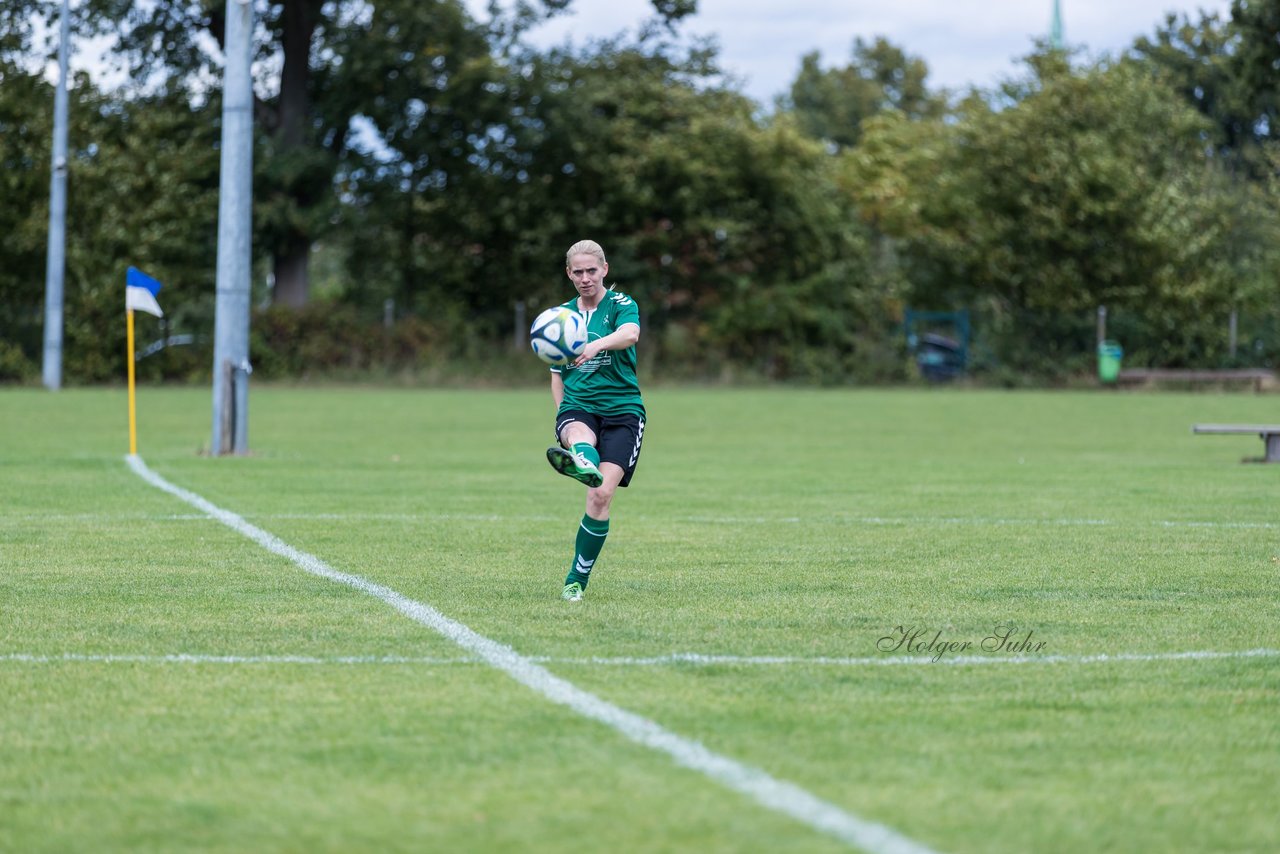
pixel 197 658
pixel 694 658
pixel 778 795
pixel 868 521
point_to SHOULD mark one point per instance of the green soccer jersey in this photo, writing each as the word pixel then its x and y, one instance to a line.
pixel 607 384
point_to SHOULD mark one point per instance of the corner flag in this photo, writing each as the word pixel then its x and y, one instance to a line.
pixel 140 292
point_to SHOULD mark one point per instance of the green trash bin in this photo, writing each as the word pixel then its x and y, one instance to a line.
pixel 1109 355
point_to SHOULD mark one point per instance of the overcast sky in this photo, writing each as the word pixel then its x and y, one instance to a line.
pixel 964 42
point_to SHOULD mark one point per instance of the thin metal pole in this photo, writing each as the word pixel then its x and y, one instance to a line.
pixel 55 260
pixel 235 229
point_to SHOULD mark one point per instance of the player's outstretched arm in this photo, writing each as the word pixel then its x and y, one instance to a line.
pixel 621 338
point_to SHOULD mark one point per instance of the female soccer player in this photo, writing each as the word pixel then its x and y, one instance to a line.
pixel 599 413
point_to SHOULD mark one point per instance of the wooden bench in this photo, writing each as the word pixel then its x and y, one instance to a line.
pixel 1270 434
pixel 1259 377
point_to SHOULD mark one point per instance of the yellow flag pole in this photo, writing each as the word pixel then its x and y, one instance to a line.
pixel 133 415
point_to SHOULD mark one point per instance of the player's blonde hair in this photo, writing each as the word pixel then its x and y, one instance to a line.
pixel 584 247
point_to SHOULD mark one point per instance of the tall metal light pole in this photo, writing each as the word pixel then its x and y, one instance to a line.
pixel 55 258
pixel 235 229
pixel 1056 39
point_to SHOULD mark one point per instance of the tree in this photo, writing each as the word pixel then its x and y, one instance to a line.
pixel 317 87
pixel 832 105
pixel 1201 60
pixel 724 228
pixel 26 118
pixel 142 190
pixel 1256 23
pixel 1095 188
pixel 315 82
pixel 731 232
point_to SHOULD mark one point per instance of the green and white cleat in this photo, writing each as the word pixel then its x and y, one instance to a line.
pixel 574 465
pixel 572 592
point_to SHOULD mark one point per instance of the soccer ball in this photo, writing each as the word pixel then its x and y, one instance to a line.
pixel 558 335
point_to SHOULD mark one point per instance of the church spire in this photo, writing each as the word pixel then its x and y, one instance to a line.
pixel 1056 40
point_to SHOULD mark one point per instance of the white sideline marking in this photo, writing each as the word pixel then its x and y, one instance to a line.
pixel 778 795
pixel 896 660
pixel 694 658
pixel 870 521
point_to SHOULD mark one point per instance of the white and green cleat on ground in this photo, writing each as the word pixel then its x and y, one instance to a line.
pixel 572 592
pixel 574 465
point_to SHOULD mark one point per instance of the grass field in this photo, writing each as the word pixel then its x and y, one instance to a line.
pixel 781 534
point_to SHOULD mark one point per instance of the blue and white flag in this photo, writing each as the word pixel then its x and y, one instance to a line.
pixel 140 293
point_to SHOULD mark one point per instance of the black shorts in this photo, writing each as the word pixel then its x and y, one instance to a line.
pixel 618 437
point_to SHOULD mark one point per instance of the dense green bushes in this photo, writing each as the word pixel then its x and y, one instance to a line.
pixel 780 247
